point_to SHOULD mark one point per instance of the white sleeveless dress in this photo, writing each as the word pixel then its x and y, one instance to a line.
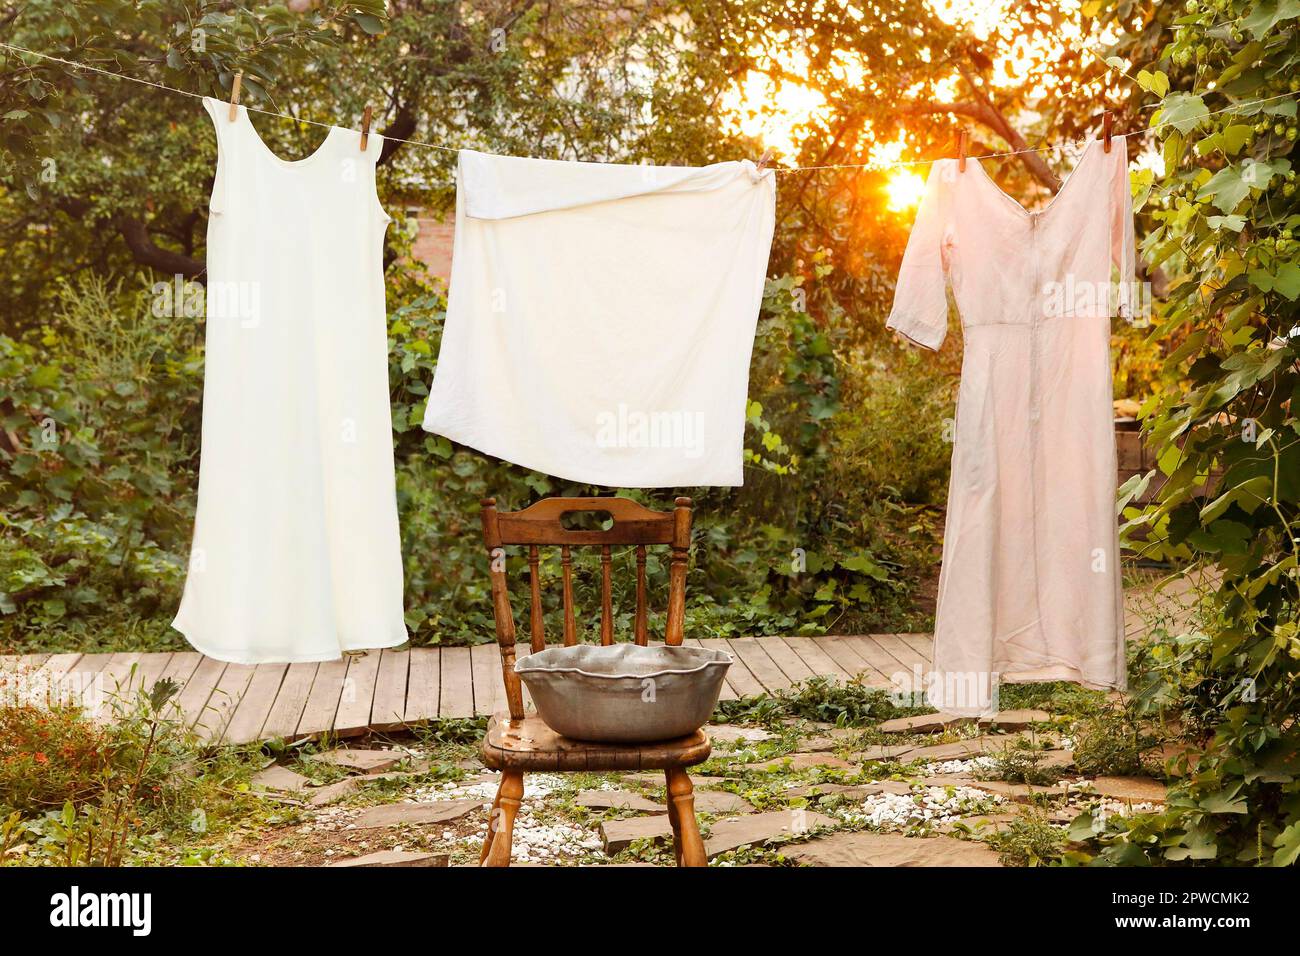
pixel 296 554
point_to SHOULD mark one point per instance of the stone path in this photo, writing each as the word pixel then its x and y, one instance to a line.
pixel 921 804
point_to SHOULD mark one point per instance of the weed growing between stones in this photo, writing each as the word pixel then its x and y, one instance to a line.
pixel 1029 840
pixel 842 703
pixel 1112 742
pixel 1021 761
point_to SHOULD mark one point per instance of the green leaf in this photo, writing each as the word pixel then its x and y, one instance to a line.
pixel 368 22
pixel 1267 14
pixel 1233 223
pixel 1226 801
pixel 1228 187
pixel 1082 828
pixel 1196 844
pixel 1183 111
pixel 1287 281
pixel 1248 495
pixel 1287 846
pixel 863 564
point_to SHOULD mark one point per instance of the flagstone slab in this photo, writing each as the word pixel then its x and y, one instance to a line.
pixel 618 835
pixel 1136 789
pixel 923 724
pixel 883 752
pixel 799 761
pixel 980 746
pixel 832 739
pixel 1015 719
pixel 1058 759
pixel 1020 792
pixel 617 800
pixel 395 858
pixel 957 750
pixel 761 828
pixel 865 848
pixel 331 792
pixel 360 761
pixel 395 814
pixel 850 791
pixel 648 778
pixel 734 734
pixel 279 778
pixel 718 802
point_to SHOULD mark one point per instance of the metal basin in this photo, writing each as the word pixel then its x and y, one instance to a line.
pixel 624 693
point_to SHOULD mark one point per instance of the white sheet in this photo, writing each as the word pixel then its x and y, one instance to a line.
pixel 601 317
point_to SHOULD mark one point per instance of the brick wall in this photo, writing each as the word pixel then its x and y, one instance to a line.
pixel 433 246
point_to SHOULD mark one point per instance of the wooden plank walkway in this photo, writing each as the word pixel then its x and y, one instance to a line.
pixel 387 690
pixel 394 689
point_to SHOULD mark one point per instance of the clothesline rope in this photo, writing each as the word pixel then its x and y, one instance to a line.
pixel 875 167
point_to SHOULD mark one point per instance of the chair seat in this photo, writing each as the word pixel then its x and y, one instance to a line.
pixel 529 744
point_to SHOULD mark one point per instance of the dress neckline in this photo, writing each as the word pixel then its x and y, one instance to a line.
pixel 243 111
pixel 1039 213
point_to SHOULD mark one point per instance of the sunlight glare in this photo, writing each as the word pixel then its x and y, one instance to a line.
pixel 905 189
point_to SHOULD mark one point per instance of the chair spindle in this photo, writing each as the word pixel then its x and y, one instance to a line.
pixel 606 599
pixel 639 629
pixel 570 629
pixel 674 628
pixel 537 627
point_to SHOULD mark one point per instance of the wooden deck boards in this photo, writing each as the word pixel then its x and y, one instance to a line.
pixel 392 689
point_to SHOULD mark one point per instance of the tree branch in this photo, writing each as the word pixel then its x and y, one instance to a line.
pixel 402 126
pixel 148 253
pixel 989 116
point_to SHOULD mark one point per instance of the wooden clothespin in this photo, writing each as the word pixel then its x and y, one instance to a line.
pixel 365 126
pixel 764 160
pixel 234 95
pixel 962 137
pixel 1106 122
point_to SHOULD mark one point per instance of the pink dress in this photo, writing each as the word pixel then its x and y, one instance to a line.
pixel 1030 585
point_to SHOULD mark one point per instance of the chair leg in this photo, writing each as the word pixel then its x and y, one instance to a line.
pixel 673 820
pixel 681 797
pixel 491 827
pixel 501 827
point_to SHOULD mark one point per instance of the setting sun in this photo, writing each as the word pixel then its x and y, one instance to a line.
pixel 905 189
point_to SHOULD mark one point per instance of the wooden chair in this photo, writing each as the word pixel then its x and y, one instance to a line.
pixel 517 742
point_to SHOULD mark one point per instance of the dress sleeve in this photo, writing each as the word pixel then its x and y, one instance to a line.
pixel 920 309
pixel 1122 252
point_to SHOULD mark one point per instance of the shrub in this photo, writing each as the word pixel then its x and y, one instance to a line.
pixel 77 790
pixel 98 433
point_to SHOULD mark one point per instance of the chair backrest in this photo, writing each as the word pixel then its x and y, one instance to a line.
pixel 542 524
